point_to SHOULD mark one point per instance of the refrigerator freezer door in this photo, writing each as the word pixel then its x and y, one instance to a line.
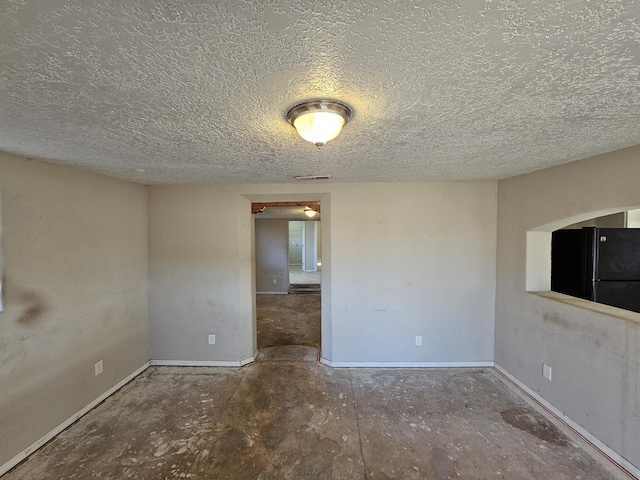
pixel 619 294
pixel 618 254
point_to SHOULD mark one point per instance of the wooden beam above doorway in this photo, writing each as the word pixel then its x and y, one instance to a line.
pixel 260 207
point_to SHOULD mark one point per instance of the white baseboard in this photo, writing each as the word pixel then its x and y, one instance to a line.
pixel 249 360
pixel 406 364
pixel 69 421
pixel 600 448
pixel 203 363
pixel 272 293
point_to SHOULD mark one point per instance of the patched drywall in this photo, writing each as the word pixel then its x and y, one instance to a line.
pixel 75 271
pixel 197 92
pixel 419 260
pixel 594 356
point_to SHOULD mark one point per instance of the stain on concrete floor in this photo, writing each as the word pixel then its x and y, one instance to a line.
pixel 535 424
pixel 448 424
pixel 302 420
pixel 288 320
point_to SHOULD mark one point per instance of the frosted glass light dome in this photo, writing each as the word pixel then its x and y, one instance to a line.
pixel 319 122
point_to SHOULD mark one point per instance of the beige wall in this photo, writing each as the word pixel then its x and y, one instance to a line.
pixel 420 260
pixel 595 357
pixel 201 259
pixel 272 262
pixel 75 270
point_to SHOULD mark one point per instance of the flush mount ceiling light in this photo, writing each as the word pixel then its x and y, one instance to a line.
pixel 309 212
pixel 319 122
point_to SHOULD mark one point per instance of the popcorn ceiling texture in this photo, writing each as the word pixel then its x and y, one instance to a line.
pixel 197 92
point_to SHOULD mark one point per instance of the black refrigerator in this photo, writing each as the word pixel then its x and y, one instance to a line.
pixel 598 264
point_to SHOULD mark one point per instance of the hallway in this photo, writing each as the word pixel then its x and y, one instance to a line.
pixel 288 320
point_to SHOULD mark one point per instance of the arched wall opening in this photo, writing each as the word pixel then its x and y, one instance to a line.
pixel 538 244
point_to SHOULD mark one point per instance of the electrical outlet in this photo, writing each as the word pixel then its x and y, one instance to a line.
pixel 546 371
pixel 212 339
pixel 418 340
pixel 99 367
pixel 275 281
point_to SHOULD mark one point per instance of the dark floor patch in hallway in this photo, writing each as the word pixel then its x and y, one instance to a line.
pixel 298 419
pixel 288 353
pixel 288 320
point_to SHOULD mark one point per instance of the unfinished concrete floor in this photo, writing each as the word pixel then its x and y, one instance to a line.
pixel 298 419
pixel 288 320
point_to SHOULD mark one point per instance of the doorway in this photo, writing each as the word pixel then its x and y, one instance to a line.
pixel 288 310
pixel 305 256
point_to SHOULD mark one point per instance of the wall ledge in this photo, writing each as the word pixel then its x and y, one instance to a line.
pixel 608 310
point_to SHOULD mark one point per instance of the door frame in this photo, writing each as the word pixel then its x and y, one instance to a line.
pixel 257 202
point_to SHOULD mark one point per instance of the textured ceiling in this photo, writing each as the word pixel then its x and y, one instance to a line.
pixel 197 92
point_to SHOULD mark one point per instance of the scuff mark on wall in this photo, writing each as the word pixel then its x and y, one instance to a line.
pixel 33 304
pixel 557 320
pixel 34 308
